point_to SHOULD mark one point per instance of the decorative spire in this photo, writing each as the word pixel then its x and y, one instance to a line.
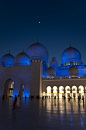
pixel 70 44
pixel 9 51
pixel 37 40
pixel 23 50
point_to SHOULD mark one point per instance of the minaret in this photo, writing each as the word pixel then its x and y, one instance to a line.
pixel 37 40
pixel 9 51
pixel 54 64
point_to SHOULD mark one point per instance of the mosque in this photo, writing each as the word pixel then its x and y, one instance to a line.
pixel 28 74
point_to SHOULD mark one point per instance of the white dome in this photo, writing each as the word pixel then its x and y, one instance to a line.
pixel 37 52
pixel 50 72
pixel 22 59
pixel 73 71
pixel 71 54
pixel 8 60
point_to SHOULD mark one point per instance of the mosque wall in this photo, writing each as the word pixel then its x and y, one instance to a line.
pixel 63 72
pixel 82 71
pixel 62 82
pixel 41 73
pixel 36 79
pixel 18 74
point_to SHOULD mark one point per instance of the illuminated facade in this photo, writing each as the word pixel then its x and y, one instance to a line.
pixel 28 74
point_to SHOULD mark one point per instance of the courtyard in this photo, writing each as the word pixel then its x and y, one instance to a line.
pixel 49 114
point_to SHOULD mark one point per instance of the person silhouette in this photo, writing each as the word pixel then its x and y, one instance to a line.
pixel 14 104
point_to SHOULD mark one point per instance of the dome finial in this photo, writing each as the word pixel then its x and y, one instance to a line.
pixel 9 51
pixel 37 40
pixel 70 44
pixel 23 50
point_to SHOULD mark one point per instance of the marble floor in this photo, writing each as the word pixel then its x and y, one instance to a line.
pixel 49 114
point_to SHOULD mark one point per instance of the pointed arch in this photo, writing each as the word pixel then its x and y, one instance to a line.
pixel 21 90
pixel 8 88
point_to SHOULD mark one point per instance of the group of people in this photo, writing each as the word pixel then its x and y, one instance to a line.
pixel 16 103
pixel 79 97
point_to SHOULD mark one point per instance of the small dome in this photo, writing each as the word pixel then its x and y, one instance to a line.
pixel 73 71
pixel 53 59
pixel 22 59
pixel 37 52
pixel 50 72
pixel 7 60
pixel 44 63
pixel 71 54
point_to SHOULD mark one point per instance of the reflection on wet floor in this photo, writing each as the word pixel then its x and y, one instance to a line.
pixel 49 114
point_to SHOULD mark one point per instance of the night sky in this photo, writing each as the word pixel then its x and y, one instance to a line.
pixel 61 22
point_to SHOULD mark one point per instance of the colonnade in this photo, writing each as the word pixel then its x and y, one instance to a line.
pixel 61 91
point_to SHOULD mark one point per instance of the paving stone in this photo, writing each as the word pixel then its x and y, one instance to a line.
pixel 50 114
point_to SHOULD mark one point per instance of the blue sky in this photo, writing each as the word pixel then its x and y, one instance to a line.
pixel 61 22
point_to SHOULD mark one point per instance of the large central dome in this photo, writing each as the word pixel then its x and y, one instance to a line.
pixel 71 54
pixel 37 52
